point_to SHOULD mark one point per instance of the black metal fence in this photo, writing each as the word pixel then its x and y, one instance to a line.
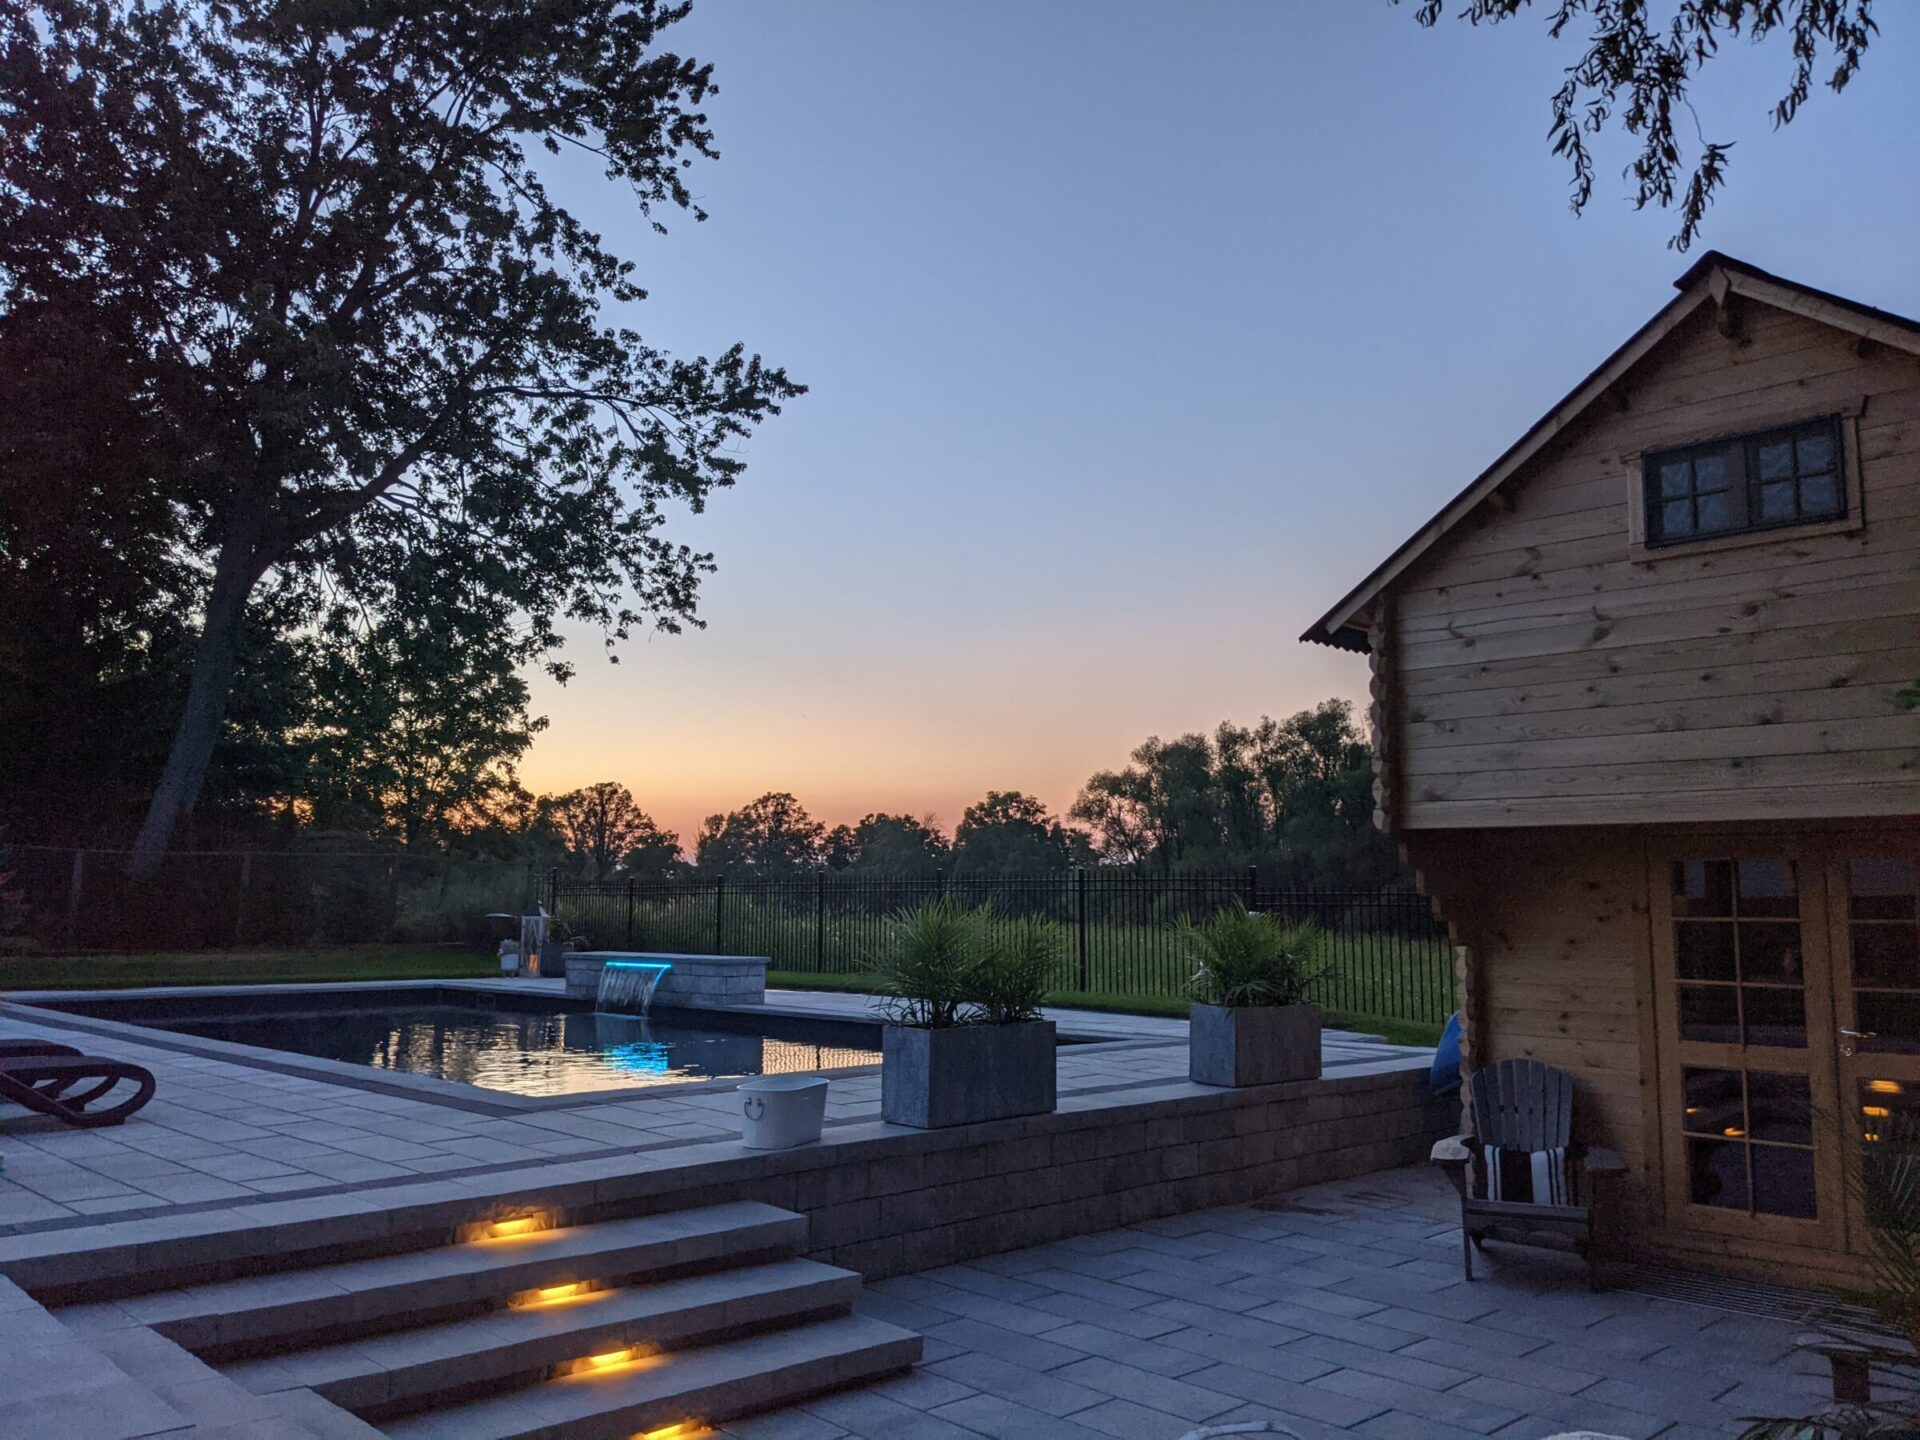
pixel 63 899
pixel 1385 955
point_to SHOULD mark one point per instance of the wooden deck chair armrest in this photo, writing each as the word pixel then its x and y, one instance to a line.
pixel 1830 1345
pixel 1879 1344
pixel 1454 1150
pixel 1598 1160
pixel 1850 1364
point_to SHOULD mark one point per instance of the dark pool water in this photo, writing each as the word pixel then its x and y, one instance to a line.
pixel 525 1053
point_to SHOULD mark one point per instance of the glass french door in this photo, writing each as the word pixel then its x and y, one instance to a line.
pixel 1787 979
pixel 1745 1002
pixel 1876 943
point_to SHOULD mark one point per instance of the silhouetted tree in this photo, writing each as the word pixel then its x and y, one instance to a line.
pixel 603 825
pixel 320 316
pixel 417 720
pixel 1638 69
pixel 889 844
pixel 655 856
pixel 771 838
pixel 1010 833
pixel 1293 796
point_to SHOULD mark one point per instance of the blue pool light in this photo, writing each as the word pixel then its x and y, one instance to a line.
pixel 638 965
pixel 640 1057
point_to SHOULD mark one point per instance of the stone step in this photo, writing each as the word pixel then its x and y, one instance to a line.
pixel 261 1313
pixel 218 1408
pixel 412 1369
pixel 117 1258
pixel 714 1383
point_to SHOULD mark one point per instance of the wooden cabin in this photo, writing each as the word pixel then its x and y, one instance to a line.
pixel 1639 727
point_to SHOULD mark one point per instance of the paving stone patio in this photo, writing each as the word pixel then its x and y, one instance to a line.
pixel 219 1131
pixel 1335 1310
pixel 1340 1311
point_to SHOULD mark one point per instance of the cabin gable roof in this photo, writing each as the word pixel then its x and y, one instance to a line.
pixel 1711 281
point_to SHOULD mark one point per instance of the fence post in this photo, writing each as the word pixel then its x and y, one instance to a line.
pixel 940 883
pixel 73 898
pixel 1253 887
pixel 719 914
pixel 240 900
pixel 1080 896
pixel 553 891
pixel 629 914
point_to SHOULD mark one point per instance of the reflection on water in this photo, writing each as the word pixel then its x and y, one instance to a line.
pixel 526 1053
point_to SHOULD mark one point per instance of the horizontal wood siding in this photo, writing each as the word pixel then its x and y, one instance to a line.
pixel 1543 676
pixel 1555 924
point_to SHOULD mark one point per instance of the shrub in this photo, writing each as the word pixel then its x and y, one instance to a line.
pixel 1012 969
pixel 924 970
pixel 1243 958
pixel 946 965
pixel 434 913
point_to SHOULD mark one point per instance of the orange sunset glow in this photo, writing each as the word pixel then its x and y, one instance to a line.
pixel 704 722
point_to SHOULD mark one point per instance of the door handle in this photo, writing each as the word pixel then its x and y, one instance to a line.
pixel 1847 1047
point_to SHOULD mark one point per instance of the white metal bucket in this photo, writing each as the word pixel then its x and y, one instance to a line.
pixel 783 1111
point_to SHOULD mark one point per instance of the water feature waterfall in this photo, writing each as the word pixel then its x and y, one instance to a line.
pixel 627 986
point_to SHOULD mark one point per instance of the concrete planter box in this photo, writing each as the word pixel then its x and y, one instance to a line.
pixel 1253 1045
pixel 932 1079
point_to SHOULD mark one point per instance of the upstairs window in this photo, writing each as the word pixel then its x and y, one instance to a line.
pixel 1764 481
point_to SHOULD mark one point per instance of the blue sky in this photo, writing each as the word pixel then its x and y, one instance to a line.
pixel 1136 334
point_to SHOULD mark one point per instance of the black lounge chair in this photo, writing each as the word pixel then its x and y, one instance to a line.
pixel 63 1086
pixel 13 1049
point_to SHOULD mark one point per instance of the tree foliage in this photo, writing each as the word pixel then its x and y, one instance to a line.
pixel 1637 68
pixel 654 856
pixel 772 838
pixel 416 716
pixel 1293 796
pixel 1010 833
pixel 889 845
pixel 605 827
pixel 331 324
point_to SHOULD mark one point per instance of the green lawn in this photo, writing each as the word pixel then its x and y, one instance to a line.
pixel 243 967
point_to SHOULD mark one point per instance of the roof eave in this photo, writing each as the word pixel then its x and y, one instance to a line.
pixel 1348 637
pixel 1710 278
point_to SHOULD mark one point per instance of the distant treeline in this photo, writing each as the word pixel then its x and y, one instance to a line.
pixel 354 739
pixel 1293 797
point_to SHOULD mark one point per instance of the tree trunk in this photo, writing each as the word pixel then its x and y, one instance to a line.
pixel 236 572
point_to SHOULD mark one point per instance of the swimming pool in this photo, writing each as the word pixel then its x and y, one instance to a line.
pixel 529 1045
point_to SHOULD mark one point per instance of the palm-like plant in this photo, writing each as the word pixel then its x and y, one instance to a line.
pixel 1013 967
pixel 946 965
pixel 1887 1184
pixel 924 967
pixel 1243 958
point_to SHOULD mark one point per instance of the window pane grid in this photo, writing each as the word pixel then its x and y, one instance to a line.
pixel 1730 1166
pixel 1737 952
pixel 1883 926
pixel 1754 482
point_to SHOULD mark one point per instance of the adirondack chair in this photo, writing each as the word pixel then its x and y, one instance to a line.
pixel 1522 1105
